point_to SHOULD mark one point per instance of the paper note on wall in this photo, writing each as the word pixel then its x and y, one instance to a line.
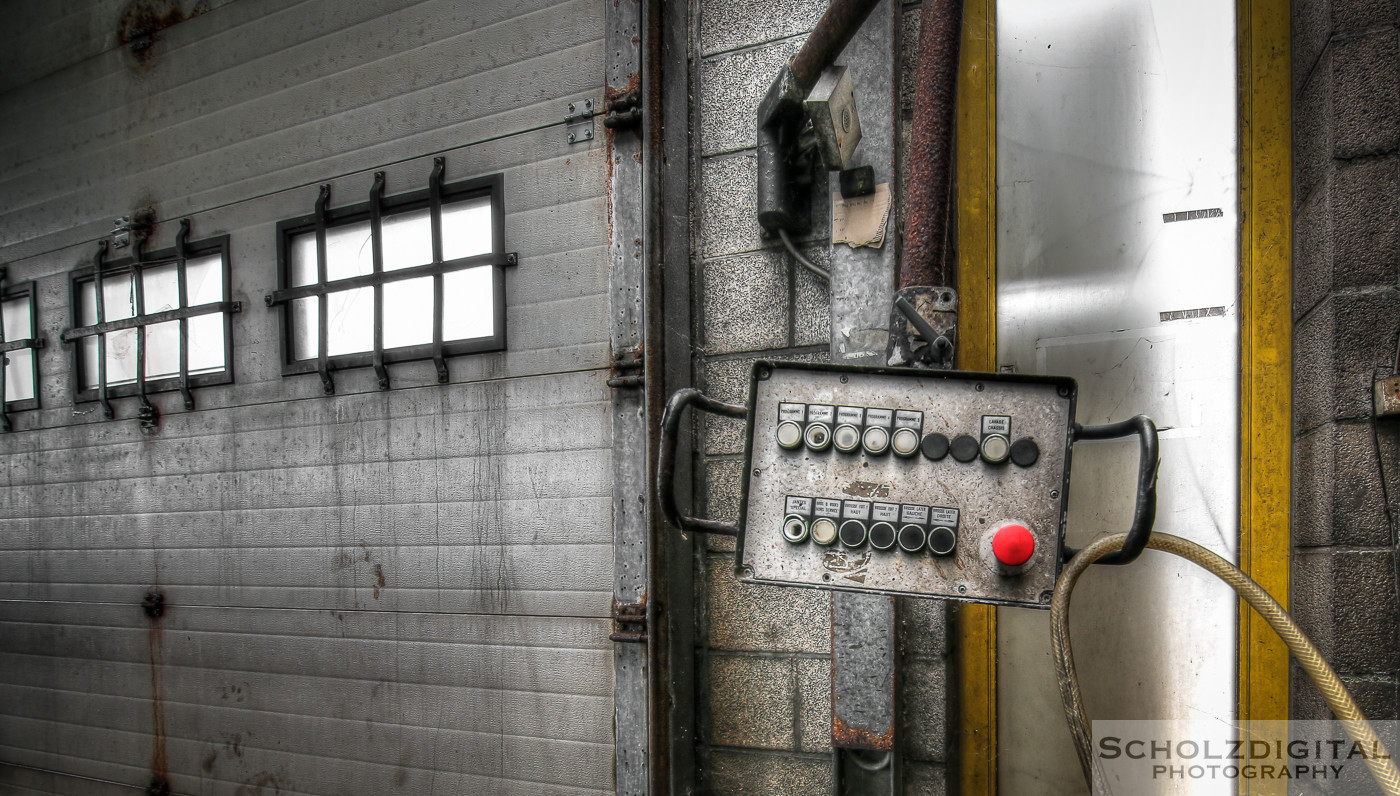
pixel 860 220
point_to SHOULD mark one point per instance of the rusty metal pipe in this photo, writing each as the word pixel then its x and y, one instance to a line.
pixel 927 198
pixel 833 32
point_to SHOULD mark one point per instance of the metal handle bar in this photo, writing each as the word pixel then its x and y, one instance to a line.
pixel 1145 511
pixel 666 460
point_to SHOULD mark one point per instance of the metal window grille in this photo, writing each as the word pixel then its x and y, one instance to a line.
pixel 154 322
pixel 409 277
pixel 19 386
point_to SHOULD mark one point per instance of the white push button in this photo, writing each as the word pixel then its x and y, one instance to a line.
pixel 995 448
pixel 824 530
pixel 789 435
pixel 846 439
pixel 818 436
pixel 905 442
pixel 876 440
pixel 795 529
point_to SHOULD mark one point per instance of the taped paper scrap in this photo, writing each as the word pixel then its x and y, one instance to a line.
pixel 860 220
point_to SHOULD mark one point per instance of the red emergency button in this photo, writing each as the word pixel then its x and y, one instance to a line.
pixel 1013 545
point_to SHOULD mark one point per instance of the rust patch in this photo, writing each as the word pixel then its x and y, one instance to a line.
pixel 207 764
pixel 867 489
pixel 378 579
pixel 259 784
pixel 143 20
pixel 853 737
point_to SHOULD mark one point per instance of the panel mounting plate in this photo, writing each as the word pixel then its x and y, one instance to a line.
pixel 993 452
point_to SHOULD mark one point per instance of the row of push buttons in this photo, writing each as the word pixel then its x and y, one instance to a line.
pixel 856 523
pixel 879 431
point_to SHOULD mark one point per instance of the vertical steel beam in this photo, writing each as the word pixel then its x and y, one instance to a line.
pixel 862 289
pixel 627 269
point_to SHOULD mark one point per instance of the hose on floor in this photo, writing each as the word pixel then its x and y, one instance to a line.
pixel 1382 766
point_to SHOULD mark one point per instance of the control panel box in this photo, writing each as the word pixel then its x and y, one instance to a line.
pixel 906 482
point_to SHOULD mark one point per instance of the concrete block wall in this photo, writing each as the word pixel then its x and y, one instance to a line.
pixel 1346 307
pixel 763 653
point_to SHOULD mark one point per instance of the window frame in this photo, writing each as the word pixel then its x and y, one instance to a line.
pixel 433 198
pixel 101 268
pixel 32 343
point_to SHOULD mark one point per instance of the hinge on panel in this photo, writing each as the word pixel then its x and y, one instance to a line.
pixel 624 111
pixel 627 369
pixel 923 328
pixel 629 623
pixel 579 121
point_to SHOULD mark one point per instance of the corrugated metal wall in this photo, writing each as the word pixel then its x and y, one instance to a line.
pixel 372 592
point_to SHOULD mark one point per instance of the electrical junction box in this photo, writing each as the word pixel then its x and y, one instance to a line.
pixel 906 482
pixel 832 107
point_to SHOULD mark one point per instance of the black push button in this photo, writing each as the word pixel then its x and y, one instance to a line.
pixel 941 541
pixel 965 447
pixel 934 446
pixel 882 536
pixel 1024 452
pixel 912 538
pixel 852 533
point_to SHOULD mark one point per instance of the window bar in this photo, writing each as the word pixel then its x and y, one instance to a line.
pixel 323 336
pixel 182 254
pixel 148 413
pixel 435 213
pixel 97 263
pixel 4 358
pixel 376 246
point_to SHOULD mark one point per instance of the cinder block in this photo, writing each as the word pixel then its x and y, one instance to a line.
pixel 752 702
pixel 925 779
pixel 749 617
pixel 722 495
pixel 1339 496
pixel 729 24
pixel 729 205
pixel 1354 15
pixel 1366 223
pixel 812 321
pixel 1312 27
pixel 726 380
pixel 923 627
pixel 1346 602
pixel 1366 94
pixel 731 86
pixel 1312 249
pixel 923 710
pixel 1378 698
pixel 1312 130
pixel 746 303
pixel 909 23
pixel 1338 348
pixel 765 774
pixel 814 713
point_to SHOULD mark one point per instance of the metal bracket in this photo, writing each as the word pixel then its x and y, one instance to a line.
pixel 1387 396
pixel 579 122
pixel 121 232
pixel 629 623
pixel 627 369
pixel 923 328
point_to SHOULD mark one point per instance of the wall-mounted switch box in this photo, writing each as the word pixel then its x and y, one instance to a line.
pixel 832 108
pixel 906 482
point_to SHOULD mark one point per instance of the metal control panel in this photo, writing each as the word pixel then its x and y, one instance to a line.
pixel 914 482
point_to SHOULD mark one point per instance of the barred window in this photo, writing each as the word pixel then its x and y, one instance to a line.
pixel 161 321
pixel 18 341
pixel 407 277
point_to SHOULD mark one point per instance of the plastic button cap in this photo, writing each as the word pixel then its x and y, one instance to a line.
pixel 905 442
pixel 1013 545
pixel 789 434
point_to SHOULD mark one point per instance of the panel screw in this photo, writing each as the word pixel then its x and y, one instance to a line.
pixel 1054 494
pixel 1064 391
pixel 845 379
pixel 571 138
pixel 755 472
pixel 763 374
pixel 979 387
pixel 962 590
